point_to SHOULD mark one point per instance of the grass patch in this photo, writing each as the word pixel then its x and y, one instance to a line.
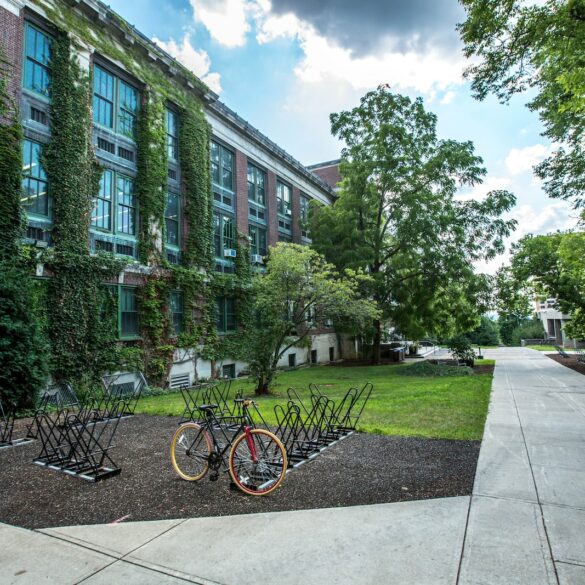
pixel 547 348
pixel 436 407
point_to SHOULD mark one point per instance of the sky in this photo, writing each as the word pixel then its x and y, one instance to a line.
pixel 286 65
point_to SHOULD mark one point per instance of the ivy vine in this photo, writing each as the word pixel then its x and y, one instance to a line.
pixel 11 218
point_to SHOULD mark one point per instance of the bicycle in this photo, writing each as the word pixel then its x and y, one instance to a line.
pixel 257 461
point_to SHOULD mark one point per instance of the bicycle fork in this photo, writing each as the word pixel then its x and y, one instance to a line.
pixel 251 445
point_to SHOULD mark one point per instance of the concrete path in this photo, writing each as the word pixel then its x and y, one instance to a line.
pixel 524 524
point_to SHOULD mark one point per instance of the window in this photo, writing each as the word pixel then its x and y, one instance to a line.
pixel 222 166
pixel 37 50
pixel 284 238
pixel 172 224
pixel 172 135
pixel 116 190
pixel 226 317
pixel 256 185
pixel 228 371
pixel 283 196
pixel 176 310
pixel 257 240
pixel 115 103
pixel 129 324
pixel 223 234
pixel 304 216
pixel 35 195
pixel 102 212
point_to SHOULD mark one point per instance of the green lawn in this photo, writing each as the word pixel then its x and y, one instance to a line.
pixel 547 348
pixel 439 407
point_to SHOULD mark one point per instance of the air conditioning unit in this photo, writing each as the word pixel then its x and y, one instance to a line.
pixel 288 211
pixel 229 253
pixel 257 259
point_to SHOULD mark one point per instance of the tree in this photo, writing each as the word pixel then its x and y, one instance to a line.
pixel 553 265
pixel 487 333
pixel 523 46
pixel 397 217
pixel 298 289
pixel 513 302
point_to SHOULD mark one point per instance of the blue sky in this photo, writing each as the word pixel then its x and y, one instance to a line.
pixel 285 65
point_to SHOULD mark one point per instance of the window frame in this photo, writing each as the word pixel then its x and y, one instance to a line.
pixel 121 289
pixel 223 313
pixel 253 233
pixel 26 58
pixel 172 139
pixel 29 177
pixel 173 314
pixel 167 218
pixel 114 207
pixel 222 148
pixel 257 172
pixel 116 101
pixel 282 205
pixel 222 238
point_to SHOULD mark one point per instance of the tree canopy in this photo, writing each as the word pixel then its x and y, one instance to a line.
pixel 398 218
pixel 553 266
pixel 540 46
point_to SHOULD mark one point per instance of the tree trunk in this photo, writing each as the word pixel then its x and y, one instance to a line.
pixel 263 387
pixel 376 342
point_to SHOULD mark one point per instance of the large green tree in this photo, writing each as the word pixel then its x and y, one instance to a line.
pixel 518 45
pixel 298 291
pixel 398 218
pixel 553 265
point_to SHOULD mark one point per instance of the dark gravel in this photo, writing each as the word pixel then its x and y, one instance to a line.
pixel 570 362
pixel 362 469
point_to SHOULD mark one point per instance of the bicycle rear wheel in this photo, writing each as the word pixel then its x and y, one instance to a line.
pixel 264 474
pixel 190 451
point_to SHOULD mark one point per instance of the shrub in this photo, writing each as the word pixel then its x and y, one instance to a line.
pixel 461 349
pixel 23 351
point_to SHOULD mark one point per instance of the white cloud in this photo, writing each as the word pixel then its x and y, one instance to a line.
pixel 226 20
pixel 448 98
pixel 479 192
pixel 553 217
pixel 197 61
pixel 521 160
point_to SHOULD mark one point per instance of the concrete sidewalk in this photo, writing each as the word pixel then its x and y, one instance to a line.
pixel 524 524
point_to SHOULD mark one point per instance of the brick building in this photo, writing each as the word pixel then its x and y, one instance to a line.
pixel 257 188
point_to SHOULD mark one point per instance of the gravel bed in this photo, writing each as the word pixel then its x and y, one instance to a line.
pixel 570 362
pixel 361 469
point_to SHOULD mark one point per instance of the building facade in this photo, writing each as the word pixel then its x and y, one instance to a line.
pixel 258 193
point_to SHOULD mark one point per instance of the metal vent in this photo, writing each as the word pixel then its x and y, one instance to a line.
pixel 125 154
pixel 173 174
pixel 103 246
pixel 125 250
pixel 173 257
pixel 178 380
pixel 106 145
pixel 38 116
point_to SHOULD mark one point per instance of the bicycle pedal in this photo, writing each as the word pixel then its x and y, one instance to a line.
pixel 214 477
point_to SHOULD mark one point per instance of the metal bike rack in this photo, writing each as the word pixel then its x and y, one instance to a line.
pixel 124 386
pixel 7 429
pixel 76 439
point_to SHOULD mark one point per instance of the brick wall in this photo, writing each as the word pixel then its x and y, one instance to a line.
pixel 242 192
pixel 271 208
pixel 11 42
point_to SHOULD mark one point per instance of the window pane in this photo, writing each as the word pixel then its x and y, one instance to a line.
pixel 228 232
pixel 128 312
pixel 102 212
pixel 230 314
pixel 221 314
pixel 34 196
pixel 215 152
pixel 217 235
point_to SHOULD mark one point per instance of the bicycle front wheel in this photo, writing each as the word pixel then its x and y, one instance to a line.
pixel 261 472
pixel 190 451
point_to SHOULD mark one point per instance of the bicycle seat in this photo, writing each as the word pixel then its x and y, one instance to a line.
pixel 207 407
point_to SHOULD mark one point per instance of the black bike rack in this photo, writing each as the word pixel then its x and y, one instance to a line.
pixel 7 429
pixel 210 393
pixel 307 429
pixel 124 386
pixel 76 439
